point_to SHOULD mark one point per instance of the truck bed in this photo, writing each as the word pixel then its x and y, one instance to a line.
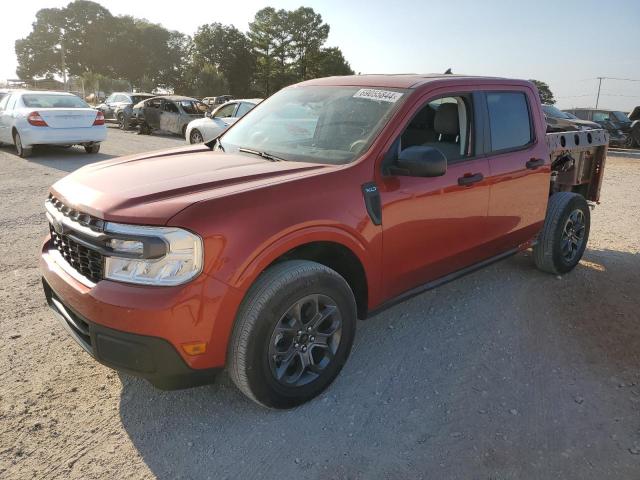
pixel 577 162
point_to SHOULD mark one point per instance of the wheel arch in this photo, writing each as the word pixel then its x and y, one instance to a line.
pixel 331 248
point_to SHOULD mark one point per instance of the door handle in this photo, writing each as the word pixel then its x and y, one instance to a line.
pixel 469 179
pixel 534 163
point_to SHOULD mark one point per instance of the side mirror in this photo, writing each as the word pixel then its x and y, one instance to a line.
pixel 419 161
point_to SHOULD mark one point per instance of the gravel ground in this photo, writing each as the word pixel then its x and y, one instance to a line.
pixel 508 373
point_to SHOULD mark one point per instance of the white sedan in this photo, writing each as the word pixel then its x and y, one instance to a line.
pixel 29 118
pixel 208 128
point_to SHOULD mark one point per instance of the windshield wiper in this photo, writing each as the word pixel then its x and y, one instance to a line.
pixel 265 155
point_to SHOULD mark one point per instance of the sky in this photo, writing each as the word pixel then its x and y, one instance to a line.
pixel 566 44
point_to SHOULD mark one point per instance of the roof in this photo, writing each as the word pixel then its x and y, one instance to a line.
pixel 403 80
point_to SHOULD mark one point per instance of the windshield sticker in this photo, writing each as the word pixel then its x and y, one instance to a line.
pixel 382 95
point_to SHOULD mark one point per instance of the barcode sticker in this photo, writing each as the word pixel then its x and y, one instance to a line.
pixel 381 95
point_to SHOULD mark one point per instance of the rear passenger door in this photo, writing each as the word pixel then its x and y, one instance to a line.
pixel 520 166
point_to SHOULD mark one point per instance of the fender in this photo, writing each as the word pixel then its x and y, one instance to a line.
pixel 258 261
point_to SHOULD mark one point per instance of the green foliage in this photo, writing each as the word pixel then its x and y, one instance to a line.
pixel 282 47
pixel 546 96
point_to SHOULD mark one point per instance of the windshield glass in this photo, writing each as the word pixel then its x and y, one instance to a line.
pixel 138 98
pixel 555 112
pixel 193 107
pixel 319 124
pixel 51 100
pixel 620 117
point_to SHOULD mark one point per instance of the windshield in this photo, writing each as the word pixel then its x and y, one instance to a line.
pixel 139 98
pixel 51 100
pixel 330 125
pixel 555 112
pixel 193 107
pixel 620 117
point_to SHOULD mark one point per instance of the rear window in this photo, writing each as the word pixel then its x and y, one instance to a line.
pixel 509 120
pixel 47 100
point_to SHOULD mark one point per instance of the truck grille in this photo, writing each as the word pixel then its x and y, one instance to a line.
pixel 83 259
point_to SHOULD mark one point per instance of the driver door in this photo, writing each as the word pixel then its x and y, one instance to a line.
pixel 436 226
pixel 169 117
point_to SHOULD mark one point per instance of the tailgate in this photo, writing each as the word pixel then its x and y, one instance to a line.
pixel 68 117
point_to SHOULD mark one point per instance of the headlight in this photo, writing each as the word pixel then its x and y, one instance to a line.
pixel 152 255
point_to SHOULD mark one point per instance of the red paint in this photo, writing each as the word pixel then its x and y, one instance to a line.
pixel 250 212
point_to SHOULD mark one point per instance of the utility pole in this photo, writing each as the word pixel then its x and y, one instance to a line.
pixel 599 85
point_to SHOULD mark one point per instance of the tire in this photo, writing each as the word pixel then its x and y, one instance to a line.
pixel 565 233
pixel 21 151
pixel 94 148
pixel 195 136
pixel 266 333
pixel 123 123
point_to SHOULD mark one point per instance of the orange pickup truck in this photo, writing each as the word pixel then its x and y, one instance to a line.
pixel 331 200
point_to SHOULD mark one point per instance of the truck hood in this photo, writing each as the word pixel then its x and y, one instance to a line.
pixel 151 188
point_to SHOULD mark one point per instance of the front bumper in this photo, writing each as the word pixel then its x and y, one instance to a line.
pixel 160 319
pixel 152 358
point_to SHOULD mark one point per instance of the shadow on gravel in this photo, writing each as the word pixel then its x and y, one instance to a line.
pixel 60 158
pixel 507 373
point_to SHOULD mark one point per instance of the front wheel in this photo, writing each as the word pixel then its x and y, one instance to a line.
pixel 293 334
pixel 123 123
pixel 195 136
pixel 565 233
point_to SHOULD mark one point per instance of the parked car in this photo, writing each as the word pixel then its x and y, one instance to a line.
pixel 559 121
pixel 171 113
pixel 615 122
pixel 634 116
pixel 118 107
pixel 260 251
pixel 213 102
pixel 208 128
pixel 29 118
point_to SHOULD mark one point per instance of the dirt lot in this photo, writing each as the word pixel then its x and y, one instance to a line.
pixel 506 374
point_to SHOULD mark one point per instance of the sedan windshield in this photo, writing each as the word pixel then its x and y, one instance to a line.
pixel 621 117
pixel 194 107
pixel 51 100
pixel 330 125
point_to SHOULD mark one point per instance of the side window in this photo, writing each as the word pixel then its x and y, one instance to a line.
pixel 226 111
pixel 170 107
pixel 155 103
pixel 600 116
pixel 444 123
pixel 509 120
pixel 110 98
pixel 11 104
pixel 243 109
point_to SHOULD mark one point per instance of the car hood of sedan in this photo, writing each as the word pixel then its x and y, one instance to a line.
pixel 151 188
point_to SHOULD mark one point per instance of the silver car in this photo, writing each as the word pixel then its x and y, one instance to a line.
pixel 206 129
pixel 170 113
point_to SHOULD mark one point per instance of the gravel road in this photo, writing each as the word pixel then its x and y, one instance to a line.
pixel 508 373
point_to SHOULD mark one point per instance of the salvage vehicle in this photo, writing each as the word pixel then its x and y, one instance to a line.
pixel 213 102
pixel 559 121
pixel 171 114
pixel 634 116
pixel 615 122
pixel 118 107
pixel 30 118
pixel 258 252
pixel 208 128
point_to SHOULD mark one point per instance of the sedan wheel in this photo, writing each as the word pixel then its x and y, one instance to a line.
pixel 20 150
pixel 196 136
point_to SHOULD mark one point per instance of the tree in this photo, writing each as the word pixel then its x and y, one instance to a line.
pixel 327 62
pixel 228 50
pixel 546 96
pixel 308 34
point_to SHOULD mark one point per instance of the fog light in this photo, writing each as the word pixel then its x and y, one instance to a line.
pixel 195 348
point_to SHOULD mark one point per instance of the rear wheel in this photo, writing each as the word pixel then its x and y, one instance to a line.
pixel 195 136
pixel 293 334
pixel 93 148
pixel 20 149
pixel 564 235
